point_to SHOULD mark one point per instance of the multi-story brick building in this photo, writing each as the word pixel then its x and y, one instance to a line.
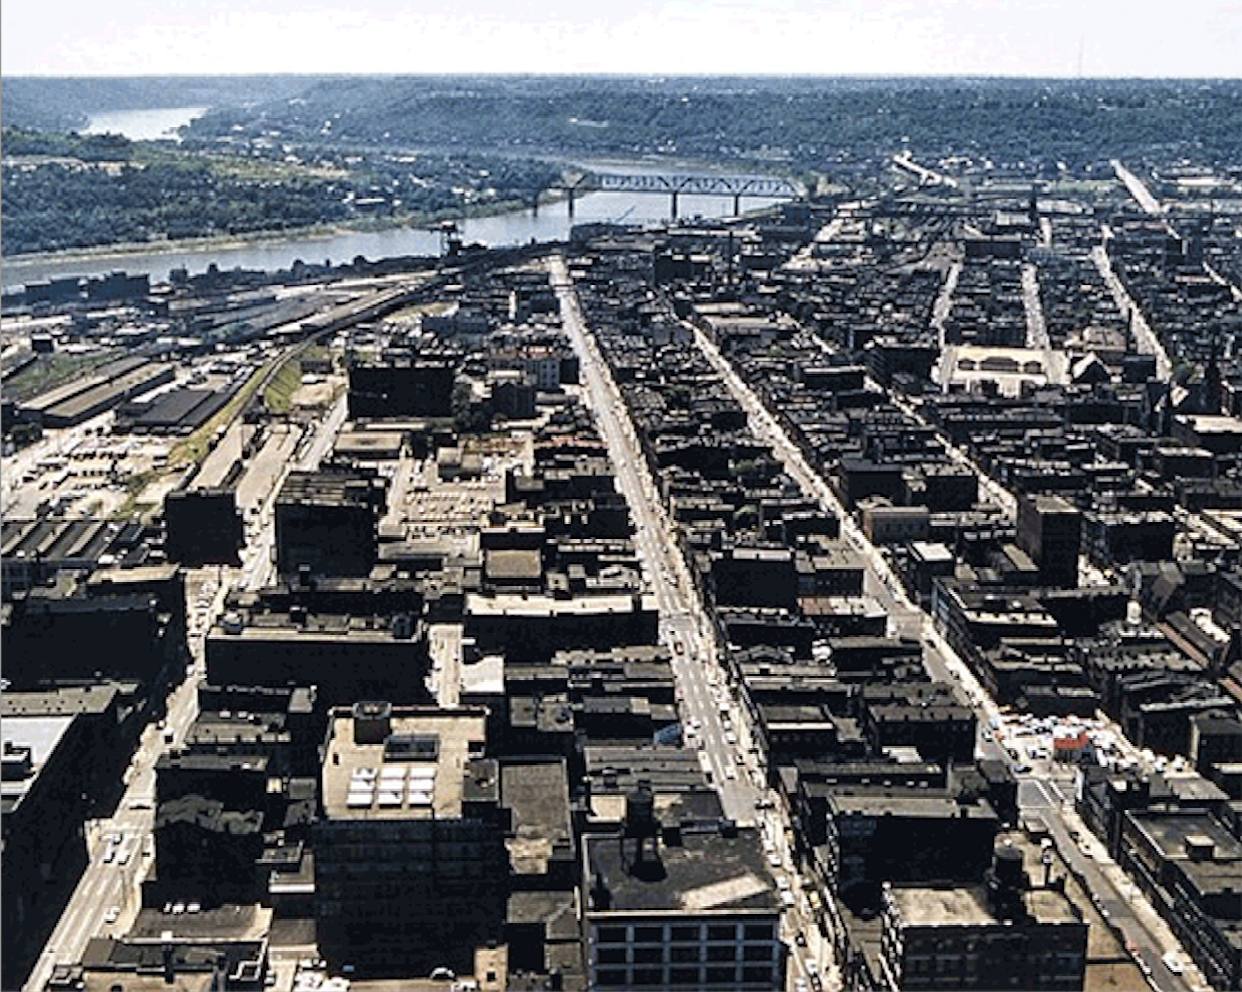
pixel 411 871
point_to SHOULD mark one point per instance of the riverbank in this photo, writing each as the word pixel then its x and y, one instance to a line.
pixel 119 251
pixel 498 224
pixel 259 239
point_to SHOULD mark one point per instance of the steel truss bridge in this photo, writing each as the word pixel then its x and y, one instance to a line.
pixel 674 185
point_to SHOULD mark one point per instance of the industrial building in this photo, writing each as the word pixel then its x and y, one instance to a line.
pixel 326 522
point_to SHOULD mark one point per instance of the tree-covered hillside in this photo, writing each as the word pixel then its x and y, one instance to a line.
pixel 801 121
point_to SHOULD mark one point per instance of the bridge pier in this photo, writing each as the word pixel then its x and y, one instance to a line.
pixel 570 191
pixel 737 205
pixel 673 209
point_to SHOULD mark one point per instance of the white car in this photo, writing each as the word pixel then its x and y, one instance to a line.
pixel 111 915
pixel 1172 962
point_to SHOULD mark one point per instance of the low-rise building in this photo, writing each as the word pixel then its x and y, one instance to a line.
pixel 1004 934
pixel 672 908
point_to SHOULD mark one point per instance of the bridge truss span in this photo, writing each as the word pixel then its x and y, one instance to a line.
pixel 675 185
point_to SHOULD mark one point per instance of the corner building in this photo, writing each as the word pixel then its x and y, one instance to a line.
pixel 673 907
pixel 411 870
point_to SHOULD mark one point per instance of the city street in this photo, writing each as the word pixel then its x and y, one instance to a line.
pixel 684 627
pixel 1145 338
pixel 709 714
pixel 113 877
pixel 1040 789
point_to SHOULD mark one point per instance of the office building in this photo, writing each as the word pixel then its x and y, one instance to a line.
pixel 411 870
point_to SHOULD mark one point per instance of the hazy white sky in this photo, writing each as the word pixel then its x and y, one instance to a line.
pixel 1195 38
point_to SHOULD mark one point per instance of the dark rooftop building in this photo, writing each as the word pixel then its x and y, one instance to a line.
pixel 46 798
pixel 402 388
pixel 671 907
pixel 203 527
pixel 1190 866
pixel 1050 531
pixel 326 522
pixel 344 656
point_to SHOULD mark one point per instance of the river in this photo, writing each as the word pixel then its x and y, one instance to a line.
pixel 143 125
pixel 550 223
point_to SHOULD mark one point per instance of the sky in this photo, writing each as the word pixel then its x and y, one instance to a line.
pixel 1060 38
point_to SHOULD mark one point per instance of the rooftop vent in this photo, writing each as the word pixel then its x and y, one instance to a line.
pixel 18 762
pixel 1200 847
pixel 412 747
pixel 372 721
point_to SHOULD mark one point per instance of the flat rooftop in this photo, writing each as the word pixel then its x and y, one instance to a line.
pixel 513 563
pixel 543 605
pixel 707 872
pixel 1169 831
pixel 230 921
pixel 41 735
pixel 906 803
pixel 967 905
pixel 538 794
pixel 62 701
pixel 415 769
pixel 925 906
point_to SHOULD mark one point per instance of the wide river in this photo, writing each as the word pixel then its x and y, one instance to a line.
pixel 549 223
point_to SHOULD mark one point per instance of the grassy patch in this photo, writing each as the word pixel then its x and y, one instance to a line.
pixel 194 447
pixel 278 395
pixel 234 166
pixel 433 308
pixel 135 486
pixel 260 170
pixel 316 352
pixel 49 371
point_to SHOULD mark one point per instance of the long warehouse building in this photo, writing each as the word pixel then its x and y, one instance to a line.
pixel 106 395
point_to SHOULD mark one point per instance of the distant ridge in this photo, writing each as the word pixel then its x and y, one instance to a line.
pixel 56 103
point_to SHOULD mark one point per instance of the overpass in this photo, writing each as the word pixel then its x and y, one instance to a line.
pixel 675 185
